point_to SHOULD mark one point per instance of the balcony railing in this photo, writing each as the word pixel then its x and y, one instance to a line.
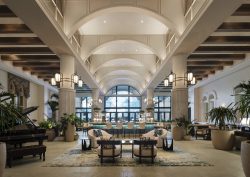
pixel 58 16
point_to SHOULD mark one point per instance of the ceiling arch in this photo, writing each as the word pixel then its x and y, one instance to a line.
pixel 125 46
pixel 104 71
pixel 167 22
pixel 119 72
pixel 122 78
pixel 119 62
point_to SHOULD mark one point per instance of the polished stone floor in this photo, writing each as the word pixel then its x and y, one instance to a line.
pixel 226 164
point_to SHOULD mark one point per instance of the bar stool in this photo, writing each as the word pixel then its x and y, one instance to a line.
pixel 141 128
pixel 131 128
pixel 85 129
pixel 108 128
pixel 119 128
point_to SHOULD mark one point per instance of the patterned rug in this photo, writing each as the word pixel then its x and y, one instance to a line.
pixel 77 158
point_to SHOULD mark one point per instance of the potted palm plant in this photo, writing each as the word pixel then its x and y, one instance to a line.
pixel 222 138
pixel 68 123
pixel 10 116
pixel 243 109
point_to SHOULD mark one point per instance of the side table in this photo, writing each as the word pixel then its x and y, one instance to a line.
pixel 86 144
pixel 168 144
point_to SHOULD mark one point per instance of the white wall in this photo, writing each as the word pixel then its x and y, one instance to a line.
pixel 222 84
pixel 4 79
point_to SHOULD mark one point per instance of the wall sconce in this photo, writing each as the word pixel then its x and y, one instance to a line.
pixel 74 79
pixel 187 78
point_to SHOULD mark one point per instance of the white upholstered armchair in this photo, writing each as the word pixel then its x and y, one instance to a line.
pixel 158 135
pixel 93 136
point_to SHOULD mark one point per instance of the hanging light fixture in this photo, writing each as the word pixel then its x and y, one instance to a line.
pixel 58 78
pixel 188 78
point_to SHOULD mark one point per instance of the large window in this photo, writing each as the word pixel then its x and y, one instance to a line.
pixel 83 108
pixel 122 103
pixel 162 108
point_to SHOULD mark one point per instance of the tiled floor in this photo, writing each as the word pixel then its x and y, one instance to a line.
pixel 226 164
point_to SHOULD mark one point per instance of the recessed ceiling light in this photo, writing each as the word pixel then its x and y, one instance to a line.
pixel 104 21
pixel 142 21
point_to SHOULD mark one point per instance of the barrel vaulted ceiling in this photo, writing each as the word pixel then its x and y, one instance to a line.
pixel 124 42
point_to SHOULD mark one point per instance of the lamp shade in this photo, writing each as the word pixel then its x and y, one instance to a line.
pixel 190 76
pixel 166 82
pixel 57 77
pixel 75 78
pixel 171 77
pixel 193 81
pixel 80 83
pixel 53 81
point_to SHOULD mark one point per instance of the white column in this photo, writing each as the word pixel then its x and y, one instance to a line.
pixel 95 97
pixel 179 106
pixel 150 97
pixel 66 91
pixel 95 104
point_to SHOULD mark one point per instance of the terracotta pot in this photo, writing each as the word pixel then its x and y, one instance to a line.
pixel 51 134
pixel 2 157
pixel 178 133
pixel 222 139
pixel 245 157
pixel 70 133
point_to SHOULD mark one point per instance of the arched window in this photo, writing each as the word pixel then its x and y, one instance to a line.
pixel 122 103
pixel 205 107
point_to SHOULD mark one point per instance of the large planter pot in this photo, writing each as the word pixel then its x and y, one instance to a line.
pixel 2 157
pixel 222 139
pixel 245 157
pixel 70 133
pixel 51 134
pixel 178 133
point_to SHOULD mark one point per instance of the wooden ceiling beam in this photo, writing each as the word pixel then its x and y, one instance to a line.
pixel 243 10
pixel 20 41
pixel 40 58
pixel 209 63
pixel 14 28
pixel 227 40
pixel 25 50
pixel 234 27
pixel 6 12
pixel 222 49
pixel 216 57
pixel 40 64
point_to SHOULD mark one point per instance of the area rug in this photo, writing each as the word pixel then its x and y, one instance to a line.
pixel 78 158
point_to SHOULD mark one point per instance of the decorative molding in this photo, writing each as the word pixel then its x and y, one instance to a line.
pixel 18 85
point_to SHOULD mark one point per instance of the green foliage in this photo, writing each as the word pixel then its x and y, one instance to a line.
pixel 10 115
pixel 69 118
pixel 222 115
pixel 47 124
pixel 243 105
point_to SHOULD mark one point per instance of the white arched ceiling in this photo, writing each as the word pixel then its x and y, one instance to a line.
pixel 110 24
pixel 104 71
pixel 134 79
pixel 121 9
pixel 121 47
pixel 119 62
pixel 118 73
pixel 146 61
